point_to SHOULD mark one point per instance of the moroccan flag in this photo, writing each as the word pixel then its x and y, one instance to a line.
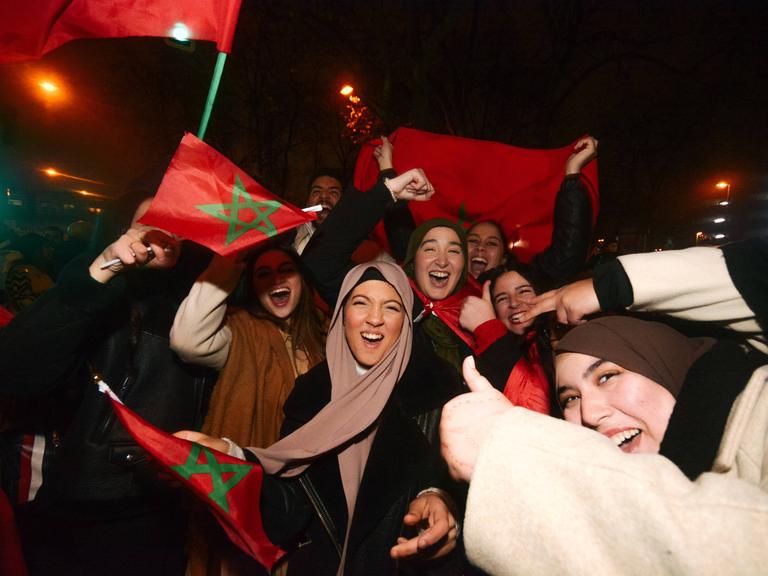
pixel 206 198
pixel 230 487
pixel 481 180
pixel 30 28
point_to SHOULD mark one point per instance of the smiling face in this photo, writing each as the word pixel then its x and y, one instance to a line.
pixel 512 294
pixel 439 263
pixel 629 408
pixel 486 248
pixel 277 283
pixel 373 318
pixel 326 191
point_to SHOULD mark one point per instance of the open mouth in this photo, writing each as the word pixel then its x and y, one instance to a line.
pixel 626 440
pixel 477 265
pixel 280 296
pixel 439 279
pixel 372 339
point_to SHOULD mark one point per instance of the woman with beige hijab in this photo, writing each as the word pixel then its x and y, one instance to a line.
pixel 352 486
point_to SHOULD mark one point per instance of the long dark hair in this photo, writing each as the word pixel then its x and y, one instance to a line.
pixel 306 324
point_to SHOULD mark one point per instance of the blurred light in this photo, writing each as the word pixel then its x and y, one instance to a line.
pixel 718 220
pixel 699 234
pixel 180 32
pixel 722 185
pixel 8 192
pixel 723 203
pixel 346 90
pixel 51 171
pixel 48 86
pixel 719 236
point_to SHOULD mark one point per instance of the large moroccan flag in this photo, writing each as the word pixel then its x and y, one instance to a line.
pixel 30 28
pixel 480 180
pixel 230 487
pixel 206 198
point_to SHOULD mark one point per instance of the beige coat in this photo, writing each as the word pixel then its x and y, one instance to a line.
pixel 548 497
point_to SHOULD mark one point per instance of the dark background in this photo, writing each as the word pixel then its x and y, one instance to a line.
pixel 675 91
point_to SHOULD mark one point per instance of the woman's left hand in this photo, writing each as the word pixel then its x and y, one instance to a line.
pixel 203 439
pixel 438 531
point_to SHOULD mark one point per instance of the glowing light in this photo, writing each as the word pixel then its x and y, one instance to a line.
pixel 718 220
pixel 719 236
pixel 723 203
pixel 722 185
pixel 700 234
pixel 180 32
pixel 51 172
pixel 48 86
pixel 346 90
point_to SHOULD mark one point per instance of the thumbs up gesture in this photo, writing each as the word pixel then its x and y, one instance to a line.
pixel 475 311
pixel 466 421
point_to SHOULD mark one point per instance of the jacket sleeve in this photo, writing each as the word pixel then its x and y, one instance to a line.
pixel 199 335
pixel 625 513
pixel 49 340
pixel 498 355
pixel 692 284
pixel 571 234
pixel 328 257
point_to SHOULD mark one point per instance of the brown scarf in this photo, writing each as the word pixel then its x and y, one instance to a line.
pixel 651 349
pixel 356 400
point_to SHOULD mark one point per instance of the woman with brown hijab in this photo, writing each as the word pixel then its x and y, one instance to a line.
pixel 355 473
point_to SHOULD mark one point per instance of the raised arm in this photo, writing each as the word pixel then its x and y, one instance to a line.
pixel 199 335
pixel 327 258
pixel 572 230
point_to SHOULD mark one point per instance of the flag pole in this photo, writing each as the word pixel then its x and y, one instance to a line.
pixel 212 90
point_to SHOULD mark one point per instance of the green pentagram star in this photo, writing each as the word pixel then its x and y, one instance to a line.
pixel 241 199
pixel 216 470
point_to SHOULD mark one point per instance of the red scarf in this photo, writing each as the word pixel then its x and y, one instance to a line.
pixel 527 385
pixel 448 309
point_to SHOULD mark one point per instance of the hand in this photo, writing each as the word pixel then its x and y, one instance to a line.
pixel 411 185
pixel 383 154
pixel 572 303
pixel 466 421
pixel 476 311
pixel 203 440
pixel 132 249
pixel 584 152
pixel 438 531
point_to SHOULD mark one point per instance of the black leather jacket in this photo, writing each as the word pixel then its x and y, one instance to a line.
pixel 119 330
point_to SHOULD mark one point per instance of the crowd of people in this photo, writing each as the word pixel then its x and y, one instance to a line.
pixel 438 408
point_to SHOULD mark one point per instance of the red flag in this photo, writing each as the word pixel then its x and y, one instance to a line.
pixel 230 487
pixel 30 28
pixel 206 198
pixel 481 180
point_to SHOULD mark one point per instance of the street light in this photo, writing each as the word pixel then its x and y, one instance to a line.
pixel 723 185
pixel 53 173
pixel 346 90
pixel 48 86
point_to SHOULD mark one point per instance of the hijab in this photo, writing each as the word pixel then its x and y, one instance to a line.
pixel 357 400
pixel 651 349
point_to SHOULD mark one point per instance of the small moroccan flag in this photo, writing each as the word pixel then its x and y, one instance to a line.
pixel 206 198
pixel 229 486
pixel 478 180
pixel 31 28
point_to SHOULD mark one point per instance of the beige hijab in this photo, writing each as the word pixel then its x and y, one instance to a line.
pixel 357 400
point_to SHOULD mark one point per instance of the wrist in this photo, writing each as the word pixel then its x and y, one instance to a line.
pixel 387 183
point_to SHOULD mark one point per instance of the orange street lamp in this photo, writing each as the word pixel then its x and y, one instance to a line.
pixel 346 90
pixel 48 86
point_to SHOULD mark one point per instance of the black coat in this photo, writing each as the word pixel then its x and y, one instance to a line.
pixel 401 463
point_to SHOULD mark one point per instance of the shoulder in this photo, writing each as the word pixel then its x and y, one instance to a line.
pixel 310 394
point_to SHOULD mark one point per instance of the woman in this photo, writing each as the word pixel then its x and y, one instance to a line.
pixel 353 442
pixel 694 502
pixel 515 356
pixel 259 349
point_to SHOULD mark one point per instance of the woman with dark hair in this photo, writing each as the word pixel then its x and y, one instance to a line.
pixel 354 473
pixel 259 351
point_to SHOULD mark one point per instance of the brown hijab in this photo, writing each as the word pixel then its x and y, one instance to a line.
pixel 651 349
pixel 357 401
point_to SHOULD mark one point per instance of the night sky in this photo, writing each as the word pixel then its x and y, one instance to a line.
pixel 675 92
